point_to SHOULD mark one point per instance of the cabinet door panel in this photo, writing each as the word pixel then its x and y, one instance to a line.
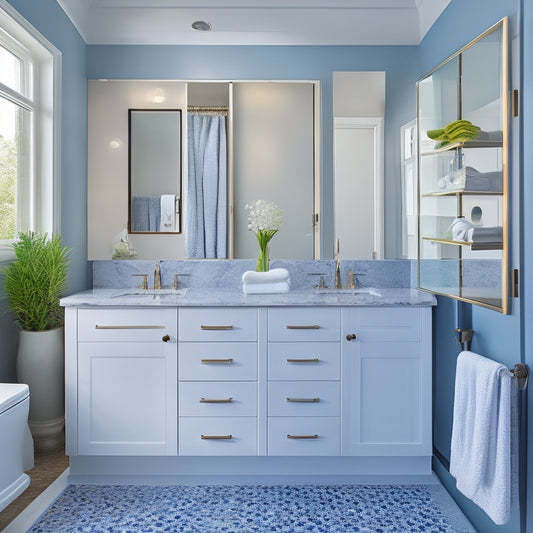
pixel 127 398
pixel 389 324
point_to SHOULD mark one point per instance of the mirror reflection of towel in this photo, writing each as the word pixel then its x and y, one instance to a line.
pixel 168 212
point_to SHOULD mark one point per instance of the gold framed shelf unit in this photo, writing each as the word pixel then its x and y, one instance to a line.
pixel 463 184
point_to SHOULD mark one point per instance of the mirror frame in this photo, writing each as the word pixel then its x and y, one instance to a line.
pixel 180 178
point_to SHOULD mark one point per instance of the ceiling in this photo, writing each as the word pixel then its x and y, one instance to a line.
pixel 254 22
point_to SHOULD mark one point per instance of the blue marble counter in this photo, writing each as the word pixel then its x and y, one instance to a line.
pixel 227 298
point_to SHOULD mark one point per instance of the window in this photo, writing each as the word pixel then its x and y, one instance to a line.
pixel 29 148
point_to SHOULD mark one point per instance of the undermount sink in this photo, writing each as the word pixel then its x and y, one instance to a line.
pixel 362 290
pixel 152 292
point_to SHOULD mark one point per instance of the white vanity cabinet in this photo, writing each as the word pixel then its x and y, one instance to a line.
pixel 387 381
pixel 304 391
pixel 218 393
pixel 126 382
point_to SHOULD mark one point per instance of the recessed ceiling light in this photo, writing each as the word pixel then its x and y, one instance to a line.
pixel 201 25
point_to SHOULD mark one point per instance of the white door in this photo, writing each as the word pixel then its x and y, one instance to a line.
pixel 358 187
pixel 127 398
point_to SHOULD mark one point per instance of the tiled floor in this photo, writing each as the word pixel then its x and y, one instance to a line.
pixel 47 467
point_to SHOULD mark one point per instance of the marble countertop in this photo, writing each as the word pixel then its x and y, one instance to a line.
pixel 194 297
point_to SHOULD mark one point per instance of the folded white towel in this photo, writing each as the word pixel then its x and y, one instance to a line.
pixel 266 288
pixel 459 228
pixel 168 212
pixel 484 445
pixel 276 275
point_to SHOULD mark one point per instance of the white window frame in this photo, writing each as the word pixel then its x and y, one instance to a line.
pixel 44 191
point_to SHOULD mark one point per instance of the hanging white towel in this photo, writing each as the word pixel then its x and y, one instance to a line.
pixel 484 446
pixel 168 212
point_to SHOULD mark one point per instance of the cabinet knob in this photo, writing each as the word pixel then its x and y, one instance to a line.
pixel 351 336
pixel 165 338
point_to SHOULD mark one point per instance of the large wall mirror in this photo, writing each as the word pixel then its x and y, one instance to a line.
pixel 154 170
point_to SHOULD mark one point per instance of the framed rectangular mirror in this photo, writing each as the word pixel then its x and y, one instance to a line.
pixel 463 173
pixel 155 170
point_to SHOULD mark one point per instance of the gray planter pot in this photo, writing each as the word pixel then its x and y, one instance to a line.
pixel 40 364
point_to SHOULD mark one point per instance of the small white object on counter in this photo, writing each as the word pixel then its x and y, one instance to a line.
pixel 270 282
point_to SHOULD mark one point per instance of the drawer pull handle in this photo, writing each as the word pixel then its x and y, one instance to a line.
pixel 313 360
pixel 216 437
pixel 209 361
pixel 165 338
pixel 128 327
pixel 312 326
pixel 215 328
pixel 304 400
pixel 216 400
pixel 302 436
pixel 351 337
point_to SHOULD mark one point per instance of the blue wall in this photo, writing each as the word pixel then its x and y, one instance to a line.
pixel 50 20
pixel 286 63
pixel 497 336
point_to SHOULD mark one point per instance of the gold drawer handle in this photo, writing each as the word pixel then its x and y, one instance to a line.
pixel 314 326
pixel 216 437
pixel 128 327
pixel 209 361
pixel 313 360
pixel 215 328
pixel 302 436
pixel 304 400
pixel 216 400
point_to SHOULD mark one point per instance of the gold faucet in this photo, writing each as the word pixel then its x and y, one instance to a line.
pixel 157 276
pixel 338 284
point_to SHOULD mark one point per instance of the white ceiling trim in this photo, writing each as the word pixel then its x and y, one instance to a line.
pixel 254 22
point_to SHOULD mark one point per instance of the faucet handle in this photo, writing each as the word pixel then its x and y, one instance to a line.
pixel 352 278
pixel 321 282
pixel 175 286
pixel 144 282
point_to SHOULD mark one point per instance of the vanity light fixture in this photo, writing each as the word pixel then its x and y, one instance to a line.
pixel 201 25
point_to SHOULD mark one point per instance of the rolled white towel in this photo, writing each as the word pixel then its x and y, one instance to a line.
pixel 459 228
pixel 266 288
pixel 276 275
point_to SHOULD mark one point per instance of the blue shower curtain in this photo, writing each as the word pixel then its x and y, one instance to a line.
pixel 207 186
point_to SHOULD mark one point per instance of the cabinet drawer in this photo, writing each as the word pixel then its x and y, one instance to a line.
pixel 304 360
pixel 388 324
pixel 137 325
pixel 218 324
pixel 304 398
pixel 218 436
pixel 303 324
pixel 218 399
pixel 208 361
pixel 304 436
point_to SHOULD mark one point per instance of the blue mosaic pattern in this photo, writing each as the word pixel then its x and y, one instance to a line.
pixel 253 508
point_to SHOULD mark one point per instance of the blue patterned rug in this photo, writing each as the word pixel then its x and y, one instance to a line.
pixel 253 508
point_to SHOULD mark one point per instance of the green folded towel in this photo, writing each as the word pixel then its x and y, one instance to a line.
pixel 456 131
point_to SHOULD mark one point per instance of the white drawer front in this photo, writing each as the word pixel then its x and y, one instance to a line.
pixel 218 324
pixel 218 436
pixel 303 324
pixel 304 398
pixel 208 361
pixel 218 399
pixel 304 360
pixel 304 436
pixel 137 325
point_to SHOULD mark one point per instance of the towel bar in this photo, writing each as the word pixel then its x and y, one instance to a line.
pixel 520 371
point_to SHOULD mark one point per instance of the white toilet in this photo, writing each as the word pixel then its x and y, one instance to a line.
pixel 14 408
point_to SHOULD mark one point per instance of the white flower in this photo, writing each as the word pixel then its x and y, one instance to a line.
pixel 264 216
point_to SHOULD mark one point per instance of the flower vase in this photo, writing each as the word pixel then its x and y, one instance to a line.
pixel 262 260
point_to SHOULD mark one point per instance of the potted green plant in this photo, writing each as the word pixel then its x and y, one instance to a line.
pixel 34 283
